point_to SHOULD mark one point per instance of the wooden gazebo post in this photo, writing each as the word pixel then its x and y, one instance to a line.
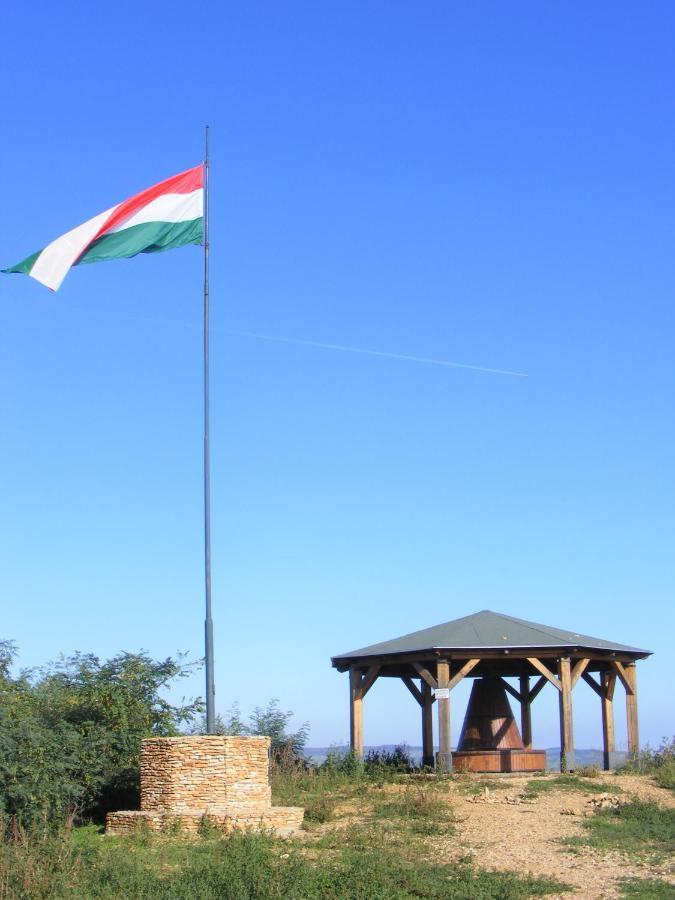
pixel 632 710
pixel 607 684
pixel 355 713
pixel 427 726
pixel 628 676
pixel 359 684
pixel 443 703
pixel 566 725
pixel 525 712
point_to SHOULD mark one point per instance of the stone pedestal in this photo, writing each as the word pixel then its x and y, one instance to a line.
pixel 222 780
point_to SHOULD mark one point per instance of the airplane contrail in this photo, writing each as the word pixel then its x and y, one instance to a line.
pixel 383 353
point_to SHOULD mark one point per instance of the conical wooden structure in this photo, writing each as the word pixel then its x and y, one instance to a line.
pixel 490 739
pixel 489 723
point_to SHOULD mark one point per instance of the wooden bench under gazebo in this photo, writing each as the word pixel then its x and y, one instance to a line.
pixel 491 647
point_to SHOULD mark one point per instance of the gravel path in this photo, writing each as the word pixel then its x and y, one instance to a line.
pixel 499 832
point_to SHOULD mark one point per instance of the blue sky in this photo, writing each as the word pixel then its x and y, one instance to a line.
pixel 481 183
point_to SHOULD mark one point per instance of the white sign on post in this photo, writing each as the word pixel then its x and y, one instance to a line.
pixel 442 693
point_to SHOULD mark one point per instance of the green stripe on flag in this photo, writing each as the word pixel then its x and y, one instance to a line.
pixel 148 237
pixel 25 266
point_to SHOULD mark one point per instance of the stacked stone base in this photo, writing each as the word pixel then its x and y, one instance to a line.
pixel 283 821
pixel 190 783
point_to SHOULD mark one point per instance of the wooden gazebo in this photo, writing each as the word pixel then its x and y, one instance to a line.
pixel 493 647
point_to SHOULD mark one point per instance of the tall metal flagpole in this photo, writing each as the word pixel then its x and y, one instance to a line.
pixel 208 623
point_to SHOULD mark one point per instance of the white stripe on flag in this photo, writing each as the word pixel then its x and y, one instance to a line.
pixel 53 264
pixel 167 208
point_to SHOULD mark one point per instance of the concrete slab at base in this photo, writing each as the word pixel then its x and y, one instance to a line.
pixel 222 779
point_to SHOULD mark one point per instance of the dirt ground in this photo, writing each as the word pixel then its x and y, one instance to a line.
pixel 525 837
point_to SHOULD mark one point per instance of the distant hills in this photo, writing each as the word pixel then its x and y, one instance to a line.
pixel 583 757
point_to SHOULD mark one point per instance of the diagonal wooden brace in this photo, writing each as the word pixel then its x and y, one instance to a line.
pixel 425 674
pixel 623 675
pixel 509 688
pixel 369 679
pixel 414 690
pixel 540 683
pixel 591 682
pixel 545 671
pixel 579 668
pixel 466 668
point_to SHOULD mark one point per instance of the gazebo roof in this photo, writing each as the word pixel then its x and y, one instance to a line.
pixel 486 630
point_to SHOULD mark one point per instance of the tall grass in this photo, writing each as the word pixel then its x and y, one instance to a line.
pixel 379 853
pixel 37 863
pixel 84 864
pixel 342 777
pixel 419 808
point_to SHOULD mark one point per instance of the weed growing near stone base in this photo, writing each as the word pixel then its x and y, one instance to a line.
pixel 320 790
pixel 316 790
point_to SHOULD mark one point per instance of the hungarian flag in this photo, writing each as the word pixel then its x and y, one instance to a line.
pixel 166 215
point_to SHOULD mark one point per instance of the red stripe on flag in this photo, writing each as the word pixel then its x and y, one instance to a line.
pixel 184 183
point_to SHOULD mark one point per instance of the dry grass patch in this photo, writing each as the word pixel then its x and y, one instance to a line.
pixel 418 807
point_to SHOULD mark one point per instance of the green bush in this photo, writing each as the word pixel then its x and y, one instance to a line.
pixel 377 765
pixel 659 763
pixel 288 747
pixel 396 760
pixel 342 762
pixel 70 733
pixel 665 776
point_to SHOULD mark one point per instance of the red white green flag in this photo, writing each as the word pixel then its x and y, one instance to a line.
pixel 166 215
